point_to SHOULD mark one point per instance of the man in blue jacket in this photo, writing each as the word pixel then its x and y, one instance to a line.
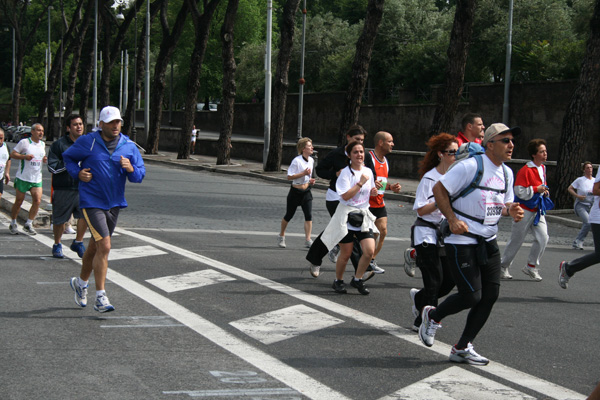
pixel 102 161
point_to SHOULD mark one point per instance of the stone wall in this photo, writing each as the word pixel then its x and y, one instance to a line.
pixel 537 107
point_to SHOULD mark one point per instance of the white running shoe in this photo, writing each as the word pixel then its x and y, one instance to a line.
pixel 467 356
pixel 532 272
pixel 14 229
pixel 577 245
pixel 29 230
pixel 69 230
pixel 281 241
pixel 410 255
pixel 333 253
pixel 308 243
pixel 563 278
pixel 504 274
pixel 315 270
pixel 80 292
pixel 103 305
pixel 413 292
pixel 428 327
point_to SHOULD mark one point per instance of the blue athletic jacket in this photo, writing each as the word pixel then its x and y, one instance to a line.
pixel 107 187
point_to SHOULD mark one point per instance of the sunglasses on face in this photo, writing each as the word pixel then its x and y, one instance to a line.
pixel 450 152
pixel 504 140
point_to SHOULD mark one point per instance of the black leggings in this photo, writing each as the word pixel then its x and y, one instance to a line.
pixel 297 197
pixel 478 287
pixel 437 279
pixel 590 259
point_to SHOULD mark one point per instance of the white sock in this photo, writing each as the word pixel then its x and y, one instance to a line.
pixel 29 221
pixel 13 222
pixel 81 282
pixel 100 293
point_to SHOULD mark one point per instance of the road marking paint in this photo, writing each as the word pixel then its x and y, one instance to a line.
pixel 134 252
pixel 513 375
pixel 151 321
pixel 236 393
pixel 456 383
pixel 285 323
pixel 270 365
pixel 192 280
pixel 261 360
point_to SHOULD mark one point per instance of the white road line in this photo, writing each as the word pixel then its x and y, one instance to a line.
pixel 290 376
pixel 284 373
pixel 518 377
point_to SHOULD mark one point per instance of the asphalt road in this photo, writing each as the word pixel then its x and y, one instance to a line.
pixel 208 306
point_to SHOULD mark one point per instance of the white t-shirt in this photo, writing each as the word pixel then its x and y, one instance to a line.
pixel 299 164
pixel 481 204
pixel 347 179
pixel 595 210
pixel 31 171
pixel 423 197
pixel 4 156
pixel 583 186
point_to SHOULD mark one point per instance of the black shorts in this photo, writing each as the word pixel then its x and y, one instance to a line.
pixel 349 238
pixel 102 223
pixel 379 212
pixel 1 185
pixel 65 203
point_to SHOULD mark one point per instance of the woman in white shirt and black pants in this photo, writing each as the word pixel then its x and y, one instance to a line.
pixel 300 173
pixel 352 218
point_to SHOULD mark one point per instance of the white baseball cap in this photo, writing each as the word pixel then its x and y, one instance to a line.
pixel 109 114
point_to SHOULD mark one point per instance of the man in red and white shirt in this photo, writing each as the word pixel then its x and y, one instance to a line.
pixel 472 129
pixel 384 143
pixel 530 180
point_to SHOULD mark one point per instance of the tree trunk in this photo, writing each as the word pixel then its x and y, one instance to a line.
pixel 281 86
pixel 360 67
pixel 85 78
pixel 62 52
pixel 229 86
pixel 574 132
pixel 112 47
pixel 458 50
pixel 75 62
pixel 16 13
pixel 167 47
pixel 202 30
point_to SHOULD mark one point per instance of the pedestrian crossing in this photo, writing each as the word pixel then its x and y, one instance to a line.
pixel 288 323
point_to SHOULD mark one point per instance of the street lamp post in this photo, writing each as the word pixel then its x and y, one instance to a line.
pixel 268 84
pixel 95 88
pixel 506 104
pixel 48 52
pixel 302 81
pixel 147 80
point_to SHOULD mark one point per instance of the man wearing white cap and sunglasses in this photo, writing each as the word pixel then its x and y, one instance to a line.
pixel 102 161
pixel 471 249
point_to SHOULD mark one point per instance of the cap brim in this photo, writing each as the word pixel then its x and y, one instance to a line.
pixel 516 131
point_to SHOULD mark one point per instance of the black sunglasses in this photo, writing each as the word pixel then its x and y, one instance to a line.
pixel 504 140
pixel 450 152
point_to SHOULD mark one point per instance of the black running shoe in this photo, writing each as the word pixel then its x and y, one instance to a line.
pixel 360 285
pixel 339 286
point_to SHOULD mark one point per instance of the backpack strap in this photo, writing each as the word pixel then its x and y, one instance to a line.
pixel 475 184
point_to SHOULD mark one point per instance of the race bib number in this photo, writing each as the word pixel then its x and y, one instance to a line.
pixel 493 208
pixel 36 163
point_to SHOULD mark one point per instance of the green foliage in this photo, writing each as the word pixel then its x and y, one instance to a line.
pixel 547 40
pixel 329 52
pixel 411 46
